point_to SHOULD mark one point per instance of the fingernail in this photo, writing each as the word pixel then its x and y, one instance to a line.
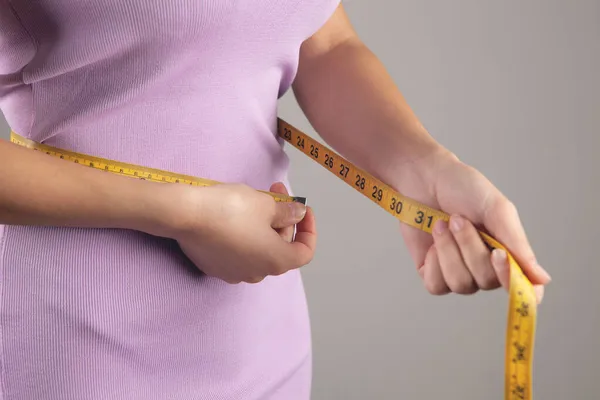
pixel 499 257
pixel 299 210
pixel 456 223
pixel 539 293
pixel 440 227
pixel 544 273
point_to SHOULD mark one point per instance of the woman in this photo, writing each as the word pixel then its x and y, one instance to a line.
pixel 114 288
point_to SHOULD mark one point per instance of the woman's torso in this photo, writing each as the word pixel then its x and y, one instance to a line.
pixel 187 86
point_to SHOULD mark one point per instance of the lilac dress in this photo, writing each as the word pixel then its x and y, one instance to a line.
pixel 189 86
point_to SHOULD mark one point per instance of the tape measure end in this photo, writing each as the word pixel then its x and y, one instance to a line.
pixel 300 199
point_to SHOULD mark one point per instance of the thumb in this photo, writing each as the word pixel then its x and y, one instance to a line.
pixel 286 214
pixel 503 222
pixel 502 266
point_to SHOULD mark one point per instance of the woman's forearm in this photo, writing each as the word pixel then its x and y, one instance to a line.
pixel 36 189
pixel 352 102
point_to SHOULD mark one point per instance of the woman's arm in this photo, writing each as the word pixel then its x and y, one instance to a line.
pixel 36 189
pixel 351 100
pixel 234 232
pixel 354 105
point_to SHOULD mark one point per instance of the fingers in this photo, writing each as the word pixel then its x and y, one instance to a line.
pixel 456 274
pixel 305 242
pixel 501 265
pixel 418 243
pixel 461 260
pixel 539 292
pixel 255 280
pixel 287 232
pixel 502 221
pixel 499 261
pixel 302 250
pixel 289 253
pixel 286 214
pixel 286 256
pixel 475 253
pixel 432 274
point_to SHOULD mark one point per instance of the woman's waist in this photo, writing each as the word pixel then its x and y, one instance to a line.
pixel 114 259
pixel 257 159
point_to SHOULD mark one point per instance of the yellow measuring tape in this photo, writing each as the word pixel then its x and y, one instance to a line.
pixel 520 332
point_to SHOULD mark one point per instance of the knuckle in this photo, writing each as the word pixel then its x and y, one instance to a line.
pixel 469 288
pixel 436 287
pixel 276 268
pixel 491 285
pixel 284 210
pixel 472 290
pixel 488 280
pixel 234 200
pixel 461 284
pixel 467 234
pixel 445 244
pixel 509 208
pixel 503 206
pixel 254 280
pixel 466 289
pixel 306 258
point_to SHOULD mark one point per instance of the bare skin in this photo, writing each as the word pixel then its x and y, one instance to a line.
pixel 357 109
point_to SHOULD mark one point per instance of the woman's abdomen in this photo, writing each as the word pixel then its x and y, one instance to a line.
pixel 96 314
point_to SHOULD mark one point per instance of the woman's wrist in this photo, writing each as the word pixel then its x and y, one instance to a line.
pixel 160 210
pixel 429 163
pixel 175 210
pixel 413 158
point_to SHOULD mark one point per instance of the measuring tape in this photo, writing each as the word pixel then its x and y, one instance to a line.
pixel 131 170
pixel 520 332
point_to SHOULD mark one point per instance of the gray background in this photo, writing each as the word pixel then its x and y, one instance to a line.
pixel 511 87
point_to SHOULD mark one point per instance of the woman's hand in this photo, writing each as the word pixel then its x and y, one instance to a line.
pixel 232 232
pixel 454 258
pixel 238 234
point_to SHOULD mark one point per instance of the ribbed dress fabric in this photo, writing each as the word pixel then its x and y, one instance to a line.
pixel 189 86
